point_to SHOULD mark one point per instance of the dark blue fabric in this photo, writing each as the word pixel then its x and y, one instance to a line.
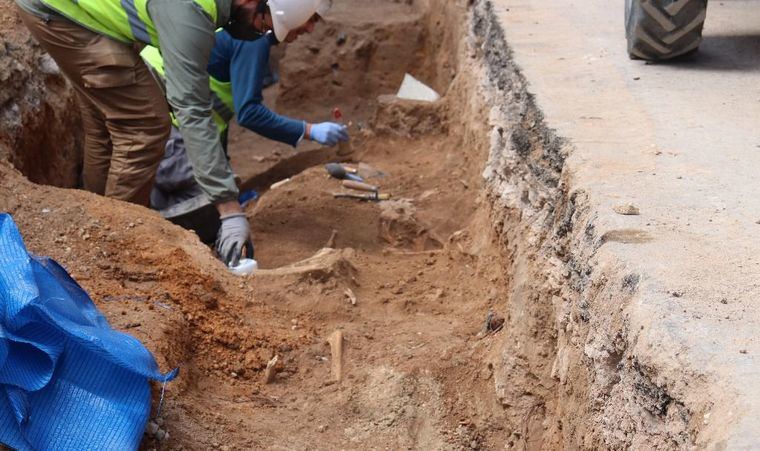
pixel 67 380
pixel 244 64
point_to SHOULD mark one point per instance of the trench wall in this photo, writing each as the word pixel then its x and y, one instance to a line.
pixel 41 133
pixel 567 374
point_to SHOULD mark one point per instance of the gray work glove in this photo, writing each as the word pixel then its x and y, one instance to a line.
pixel 234 234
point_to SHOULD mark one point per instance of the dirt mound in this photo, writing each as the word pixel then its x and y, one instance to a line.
pixel 151 279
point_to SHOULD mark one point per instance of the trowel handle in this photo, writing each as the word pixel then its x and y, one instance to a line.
pixel 359 186
pixel 337 115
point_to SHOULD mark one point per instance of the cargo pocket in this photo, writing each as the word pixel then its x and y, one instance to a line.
pixel 113 65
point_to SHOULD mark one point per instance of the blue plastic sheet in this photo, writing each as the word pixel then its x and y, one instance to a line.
pixel 68 381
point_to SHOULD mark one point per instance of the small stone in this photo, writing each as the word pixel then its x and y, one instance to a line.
pixel 742 351
pixel 234 374
pixel 350 296
pixel 437 294
pixel 48 66
pixel 45 210
pixel 627 209
pixel 724 301
pixel 322 428
pixel 494 322
pixel 341 38
pixel 162 435
pixel 151 428
pixel 209 301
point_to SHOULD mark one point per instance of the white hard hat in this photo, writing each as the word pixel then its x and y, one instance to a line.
pixel 288 15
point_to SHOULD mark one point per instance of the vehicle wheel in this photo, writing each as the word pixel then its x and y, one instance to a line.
pixel 663 29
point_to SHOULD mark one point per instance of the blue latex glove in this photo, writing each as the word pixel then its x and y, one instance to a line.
pixel 328 133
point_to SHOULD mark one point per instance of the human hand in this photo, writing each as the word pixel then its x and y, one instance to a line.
pixel 328 133
pixel 234 235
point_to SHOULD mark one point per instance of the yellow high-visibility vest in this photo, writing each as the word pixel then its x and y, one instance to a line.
pixel 223 108
pixel 123 20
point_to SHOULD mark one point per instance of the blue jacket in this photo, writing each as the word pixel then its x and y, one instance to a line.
pixel 244 63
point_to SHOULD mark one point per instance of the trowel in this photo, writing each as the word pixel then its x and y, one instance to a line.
pixel 340 172
pixel 374 196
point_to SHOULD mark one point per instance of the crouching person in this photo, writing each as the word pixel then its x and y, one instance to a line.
pixel 237 71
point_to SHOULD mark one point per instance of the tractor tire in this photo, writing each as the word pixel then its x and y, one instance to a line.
pixel 663 29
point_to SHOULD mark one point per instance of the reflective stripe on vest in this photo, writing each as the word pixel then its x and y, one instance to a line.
pixel 124 20
pixel 223 107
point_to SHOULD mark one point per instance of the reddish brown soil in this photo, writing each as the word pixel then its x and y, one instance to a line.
pixel 422 266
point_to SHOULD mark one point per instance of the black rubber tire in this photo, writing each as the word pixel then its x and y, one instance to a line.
pixel 663 29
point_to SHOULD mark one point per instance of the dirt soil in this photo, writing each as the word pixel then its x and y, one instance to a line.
pixel 423 269
pixel 477 308
pixel 39 135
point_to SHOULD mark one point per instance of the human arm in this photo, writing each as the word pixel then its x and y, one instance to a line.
pixel 247 61
pixel 186 36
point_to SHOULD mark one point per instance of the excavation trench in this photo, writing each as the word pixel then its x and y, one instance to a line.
pixel 447 294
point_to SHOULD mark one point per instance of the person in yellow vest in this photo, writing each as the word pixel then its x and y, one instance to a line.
pixel 238 71
pixel 96 45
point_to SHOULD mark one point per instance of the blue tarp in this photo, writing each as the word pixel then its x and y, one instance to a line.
pixel 67 380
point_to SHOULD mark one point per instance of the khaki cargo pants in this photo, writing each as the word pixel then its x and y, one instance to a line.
pixel 124 112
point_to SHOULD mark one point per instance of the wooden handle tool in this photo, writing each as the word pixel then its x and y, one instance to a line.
pixel 369 196
pixel 360 186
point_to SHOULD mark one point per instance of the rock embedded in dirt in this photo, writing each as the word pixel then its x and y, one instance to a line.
pixel 627 210
pixel 350 296
pixel 341 39
pixel 162 435
pixel 209 301
pixel 271 370
pixel 151 428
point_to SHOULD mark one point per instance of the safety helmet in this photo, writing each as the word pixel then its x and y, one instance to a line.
pixel 288 15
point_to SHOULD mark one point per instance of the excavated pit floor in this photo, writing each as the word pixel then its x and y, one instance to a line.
pixel 421 267
pixel 425 267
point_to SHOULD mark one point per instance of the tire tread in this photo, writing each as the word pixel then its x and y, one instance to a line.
pixel 663 29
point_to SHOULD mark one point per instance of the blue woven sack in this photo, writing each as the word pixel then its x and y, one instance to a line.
pixel 67 380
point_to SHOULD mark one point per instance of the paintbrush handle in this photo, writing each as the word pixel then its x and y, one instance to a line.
pixel 351 184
